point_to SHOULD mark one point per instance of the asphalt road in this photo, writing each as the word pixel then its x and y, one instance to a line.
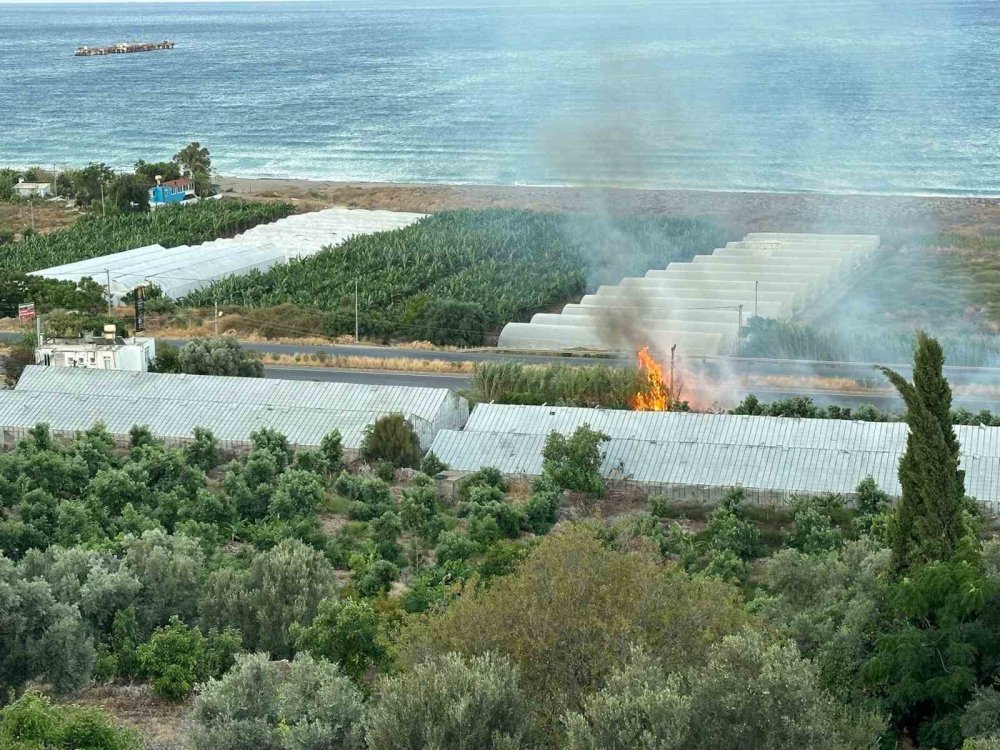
pixel 732 367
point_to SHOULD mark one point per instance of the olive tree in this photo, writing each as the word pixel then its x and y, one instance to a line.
pixel 219 356
pixel 451 702
pixel 758 693
pixel 43 639
pixel 641 707
pixel 266 705
pixel 283 587
pixel 567 616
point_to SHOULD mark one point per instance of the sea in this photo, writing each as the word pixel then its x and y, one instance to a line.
pixel 848 96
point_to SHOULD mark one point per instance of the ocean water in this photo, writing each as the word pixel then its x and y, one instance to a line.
pixel 896 96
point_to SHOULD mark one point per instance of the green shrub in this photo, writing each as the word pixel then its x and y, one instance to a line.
pixel 487 476
pixel 177 657
pixel 419 512
pixel 454 545
pixel 447 321
pixel 223 355
pixel 813 532
pixel 386 471
pixel 484 530
pixel 33 723
pixel 454 703
pixel 283 586
pixel 376 578
pixel 727 565
pixel 640 707
pixel 509 518
pixel 729 532
pixel 981 717
pixel 540 512
pixel 431 465
pixel 298 495
pixel 125 644
pixel 574 463
pixel 203 451
pixel 345 632
pixel 265 705
pixel 393 439
pixel 371 496
pixel 271 441
pixel 311 461
pixel 502 559
pixel 332 448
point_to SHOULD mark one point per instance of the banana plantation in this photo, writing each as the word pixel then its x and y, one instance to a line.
pixel 511 263
pixel 94 236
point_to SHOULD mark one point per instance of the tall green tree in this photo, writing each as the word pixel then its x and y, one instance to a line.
pixel 196 163
pixel 929 520
pixel 193 158
pixel 148 171
pixel 129 193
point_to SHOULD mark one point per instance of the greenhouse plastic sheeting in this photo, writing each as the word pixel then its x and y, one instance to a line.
pixel 181 270
pixel 684 427
pixel 175 420
pixel 702 302
pixel 780 456
pixel 437 408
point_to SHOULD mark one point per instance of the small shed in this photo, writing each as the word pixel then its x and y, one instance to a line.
pixel 33 189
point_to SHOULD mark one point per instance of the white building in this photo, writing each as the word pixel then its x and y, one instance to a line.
pixel 106 353
pixel 33 189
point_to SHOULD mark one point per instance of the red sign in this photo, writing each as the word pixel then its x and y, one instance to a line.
pixel 26 312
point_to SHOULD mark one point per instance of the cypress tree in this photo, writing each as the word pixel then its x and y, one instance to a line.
pixel 929 521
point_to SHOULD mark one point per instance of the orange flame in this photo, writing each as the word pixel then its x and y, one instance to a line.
pixel 656 396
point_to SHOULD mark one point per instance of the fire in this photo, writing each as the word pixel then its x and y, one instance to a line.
pixel 657 395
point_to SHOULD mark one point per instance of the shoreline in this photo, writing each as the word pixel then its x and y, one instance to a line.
pixel 306 182
pixel 743 211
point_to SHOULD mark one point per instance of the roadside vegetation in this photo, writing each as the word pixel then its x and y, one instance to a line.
pixel 418 614
pixel 556 385
pixel 455 277
pixel 221 355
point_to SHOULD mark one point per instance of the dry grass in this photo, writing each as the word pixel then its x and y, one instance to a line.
pixel 137 707
pixel 347 362
pixel 48 216
pixel 811 383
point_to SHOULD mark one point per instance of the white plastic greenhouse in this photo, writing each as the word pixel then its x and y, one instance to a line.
pixel 698 306
pixel 72 399
pixel 184 269
pixel 698 457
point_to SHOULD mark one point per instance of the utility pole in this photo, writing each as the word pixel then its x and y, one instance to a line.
pixel 673 350
pixel 739 332
pixel 216 318
pixel 756 284
pixel 356 327
pixel 110 311
pixel 38 330
pixel 31 208
pixel 104 208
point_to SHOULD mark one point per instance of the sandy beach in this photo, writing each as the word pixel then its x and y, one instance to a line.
pixel 743 211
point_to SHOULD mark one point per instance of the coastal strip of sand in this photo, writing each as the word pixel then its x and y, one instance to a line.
pixel 743 211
